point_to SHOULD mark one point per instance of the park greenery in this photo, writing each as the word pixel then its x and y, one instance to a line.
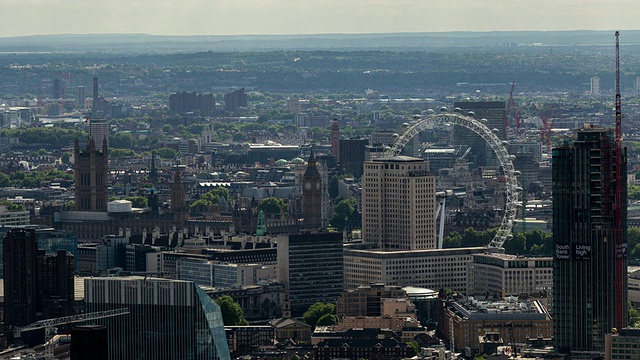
pixel 535 242
pixel 56 137
pixel 32 179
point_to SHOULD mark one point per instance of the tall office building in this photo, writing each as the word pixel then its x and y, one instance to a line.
pixel 20 257
pixel 352 154
pixel 235 100
pixel 91 176
pixel 80 96
pixel 55 283
pixel 37 284
pixel 95 94
pixel 335 139
pixel 99 129
pixel 496 114
pixel 594 86
pixel 185 102
pixel 398 203
pixel 585 280
pixel 58 89
pixel 310 266
pixel 168 319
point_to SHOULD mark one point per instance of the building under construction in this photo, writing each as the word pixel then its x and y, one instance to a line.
pixel 590 236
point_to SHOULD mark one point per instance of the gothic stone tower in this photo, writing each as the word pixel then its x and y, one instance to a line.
pixel 178 198
pixel 312 195
pixel 91 176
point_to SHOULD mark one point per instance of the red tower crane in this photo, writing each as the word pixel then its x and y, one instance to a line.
pixel 547 124
pixel 619 206
pixel 511 110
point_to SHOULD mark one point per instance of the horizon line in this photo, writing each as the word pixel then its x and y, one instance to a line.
pixel 319 34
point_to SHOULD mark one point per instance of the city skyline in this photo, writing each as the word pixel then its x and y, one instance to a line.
pixel 197 17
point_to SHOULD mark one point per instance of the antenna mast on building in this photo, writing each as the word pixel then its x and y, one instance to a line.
pixel 620 250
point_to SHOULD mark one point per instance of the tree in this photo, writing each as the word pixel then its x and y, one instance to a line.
pixel 634 315
pixel 633 240
pixel 633 192
pixel 166 153
pixel 120 153
pixel 66 157
pixel 327 320
pixel 273 206
pixel 239 137
pixel 70 205
pixel 11 206
pixel 517 245
pixel 140 202
pixel 123 140
pixel 341 213
pixel 232 313
pixel 209 200
pixel 415 347
pixel 5 181
pixel 316 311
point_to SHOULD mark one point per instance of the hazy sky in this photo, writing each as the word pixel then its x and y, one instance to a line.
pixel 226 17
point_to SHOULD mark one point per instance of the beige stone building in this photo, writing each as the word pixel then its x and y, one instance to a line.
pixel 504 274
pixel 633 286
pixel 622 344
pixel 398 203
pixel 432 269
pixel 468 320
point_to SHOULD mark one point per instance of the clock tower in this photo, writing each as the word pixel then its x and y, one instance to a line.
pixel 312 195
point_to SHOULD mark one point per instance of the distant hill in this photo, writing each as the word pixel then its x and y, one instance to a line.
pixel 441 41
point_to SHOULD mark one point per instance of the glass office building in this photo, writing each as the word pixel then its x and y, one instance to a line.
pixel 168 319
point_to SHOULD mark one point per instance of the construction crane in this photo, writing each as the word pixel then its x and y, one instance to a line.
pixel 511 108
pixel 50 324
pixel 619 206
pixel 547 124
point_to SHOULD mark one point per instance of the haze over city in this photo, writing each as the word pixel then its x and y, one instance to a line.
pixel 233 17
pixel 296 180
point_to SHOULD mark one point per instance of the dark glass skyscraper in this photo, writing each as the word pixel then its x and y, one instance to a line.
pixel 20 277
pixel 584 233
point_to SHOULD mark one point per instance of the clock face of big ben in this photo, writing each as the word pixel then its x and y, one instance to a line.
pixel 317 186
pixel 307 185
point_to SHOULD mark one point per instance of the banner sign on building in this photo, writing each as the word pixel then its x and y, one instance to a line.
pixel 562 251
pixel 581 252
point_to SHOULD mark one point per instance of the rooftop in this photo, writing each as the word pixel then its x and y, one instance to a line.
pixel 398 158
pixel 511 308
